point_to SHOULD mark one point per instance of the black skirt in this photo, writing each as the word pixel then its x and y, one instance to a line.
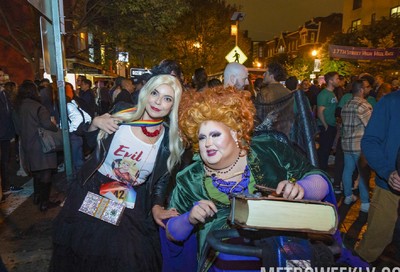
pixel 84 243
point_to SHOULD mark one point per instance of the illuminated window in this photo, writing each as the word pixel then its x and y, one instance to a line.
pixel 312 37
pixel 260 52
pixel 82 41
pixel 356 24
pixel 395 12
pixel 357 4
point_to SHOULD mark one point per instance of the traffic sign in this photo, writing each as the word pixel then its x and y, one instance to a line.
pixel 44 7
pixel 138 71
pixel 236 55
pixel 238 16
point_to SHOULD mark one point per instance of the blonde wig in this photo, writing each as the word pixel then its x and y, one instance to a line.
pixel 175 145
pixel 227 105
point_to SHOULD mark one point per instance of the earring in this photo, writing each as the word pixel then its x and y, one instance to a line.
pixel 242 153
pixel 237 143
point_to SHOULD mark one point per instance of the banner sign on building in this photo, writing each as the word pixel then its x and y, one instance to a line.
pixel 362 53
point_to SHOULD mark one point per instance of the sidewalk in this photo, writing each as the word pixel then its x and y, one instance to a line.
pixel 25 238
pixel 25 232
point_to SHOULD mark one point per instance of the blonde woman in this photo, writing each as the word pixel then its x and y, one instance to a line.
pixel 85 243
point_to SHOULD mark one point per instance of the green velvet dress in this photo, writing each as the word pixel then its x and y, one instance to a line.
pixel 270 161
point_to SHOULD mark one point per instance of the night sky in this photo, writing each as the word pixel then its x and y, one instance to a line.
pixel 265 19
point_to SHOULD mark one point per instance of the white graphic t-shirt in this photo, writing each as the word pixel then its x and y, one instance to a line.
pixel 129 159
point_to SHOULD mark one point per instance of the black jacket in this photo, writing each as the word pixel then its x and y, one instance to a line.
pixel 7 131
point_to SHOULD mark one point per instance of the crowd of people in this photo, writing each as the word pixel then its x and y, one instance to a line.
pixel 173 154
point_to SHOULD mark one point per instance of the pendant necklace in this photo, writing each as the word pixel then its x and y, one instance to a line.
pixel 219 172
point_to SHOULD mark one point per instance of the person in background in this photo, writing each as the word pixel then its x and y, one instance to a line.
pixel 116 88
pixel 86 94
pixel 326 107
pixel 199 79
pixel 78 82
pixel 258 83
pixel 380 146
pixel 315 89
pixel 340 90
pixel 214 82
pixel 395 85
pixel 69 90
pixel 169 67
pixel 11 91
pixel 311 95
pixel 10 88
pixel 7 132
pixel 77 120
pixel 126 92
pixel 292 83
pixel 44 83
pixel 48 98
pixel 275 102
pixel 236 75
pixel 355 116
pixel 140 139
pixel 31 115
pixel 274 89
pixel 381 87
pixel 368 83
pixel 103 99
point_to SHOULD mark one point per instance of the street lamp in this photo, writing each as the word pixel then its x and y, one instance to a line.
pixel 314 53
pixel 237 16
pixel 317 62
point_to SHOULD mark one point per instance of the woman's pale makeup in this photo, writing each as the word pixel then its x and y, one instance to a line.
pixel 217 145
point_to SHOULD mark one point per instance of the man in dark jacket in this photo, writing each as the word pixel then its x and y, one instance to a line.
pixel 381 146
pixel 126 93
pixel 87 95
pixel 7 132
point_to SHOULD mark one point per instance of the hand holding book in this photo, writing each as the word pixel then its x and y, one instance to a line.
pixel 290 189
pixel 314 187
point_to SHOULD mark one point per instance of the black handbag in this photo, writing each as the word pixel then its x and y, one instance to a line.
pixel 51 141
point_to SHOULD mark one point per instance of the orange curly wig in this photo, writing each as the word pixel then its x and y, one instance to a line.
pixel 227 105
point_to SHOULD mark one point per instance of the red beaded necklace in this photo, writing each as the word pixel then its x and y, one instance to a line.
pixel 150 134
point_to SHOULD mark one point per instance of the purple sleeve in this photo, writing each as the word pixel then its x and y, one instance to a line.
pixel 315 187
pixel 179 227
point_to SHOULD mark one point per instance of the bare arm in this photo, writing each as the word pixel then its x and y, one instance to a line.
pixel 321 116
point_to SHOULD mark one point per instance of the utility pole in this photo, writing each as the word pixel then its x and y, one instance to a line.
pixel 51 20
pixel 237 33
